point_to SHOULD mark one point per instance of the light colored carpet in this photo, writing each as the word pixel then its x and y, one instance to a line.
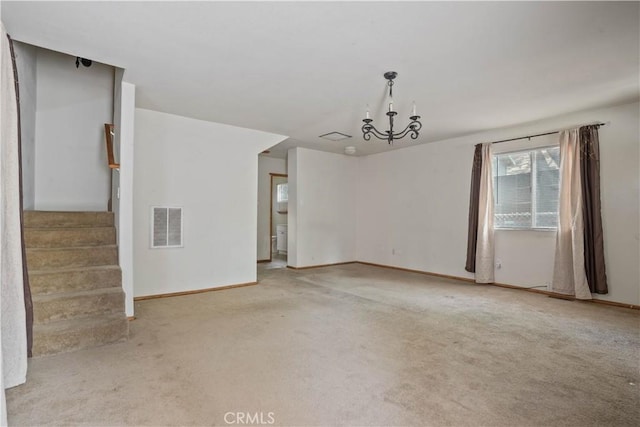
pixel 350 345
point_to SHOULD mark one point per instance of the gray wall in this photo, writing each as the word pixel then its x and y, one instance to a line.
pixel 71 160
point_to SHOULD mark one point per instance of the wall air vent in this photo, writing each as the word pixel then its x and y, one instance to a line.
pixel 335 136
pixel 166 227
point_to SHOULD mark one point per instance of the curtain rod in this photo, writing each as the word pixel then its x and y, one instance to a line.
pixel 539 134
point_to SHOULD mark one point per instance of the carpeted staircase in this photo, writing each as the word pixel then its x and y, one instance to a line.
pixel 76 283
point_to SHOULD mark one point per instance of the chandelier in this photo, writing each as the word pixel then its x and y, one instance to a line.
pixel 413 128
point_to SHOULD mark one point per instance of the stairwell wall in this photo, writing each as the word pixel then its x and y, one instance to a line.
pixel 123 186
pixel 73 104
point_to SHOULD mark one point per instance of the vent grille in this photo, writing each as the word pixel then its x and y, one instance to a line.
pixel 335 136
pixel 166 227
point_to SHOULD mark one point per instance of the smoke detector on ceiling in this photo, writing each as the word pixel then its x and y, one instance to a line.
pixel 335 136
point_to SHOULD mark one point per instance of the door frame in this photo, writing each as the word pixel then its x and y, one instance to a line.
pixel 271 230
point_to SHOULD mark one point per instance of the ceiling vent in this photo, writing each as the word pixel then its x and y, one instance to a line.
pixel 335 136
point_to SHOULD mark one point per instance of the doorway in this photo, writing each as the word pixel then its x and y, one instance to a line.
pixel 278 219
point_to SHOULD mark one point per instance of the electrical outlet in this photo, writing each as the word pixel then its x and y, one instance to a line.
pixel 498 263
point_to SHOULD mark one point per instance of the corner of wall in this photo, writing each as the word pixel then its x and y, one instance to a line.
pixel 125 212
pixel 292 227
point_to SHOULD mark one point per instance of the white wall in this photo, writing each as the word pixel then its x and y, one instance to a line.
pixel 211 170
pixel 123 205
pixel 27 66
pixel 266 166
pixel 72 107
pixel 413 206
pixel 117 119
pixel 322 208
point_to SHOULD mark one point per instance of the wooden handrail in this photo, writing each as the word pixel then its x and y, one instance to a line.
pixel 108 135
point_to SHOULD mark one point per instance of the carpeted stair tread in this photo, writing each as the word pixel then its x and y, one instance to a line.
pixel 62 258
pixel 89 292
pixel 76 334
pixel 62 306
pixel 47 237
pixel 56 219
pixel 74 279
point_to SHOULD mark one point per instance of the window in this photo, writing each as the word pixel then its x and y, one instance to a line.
pixel 283 193
pixel 526 188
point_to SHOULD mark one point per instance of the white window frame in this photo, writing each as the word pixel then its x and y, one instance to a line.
pixel 534 189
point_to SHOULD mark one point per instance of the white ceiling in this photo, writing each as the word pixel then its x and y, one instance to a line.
pixel 308 68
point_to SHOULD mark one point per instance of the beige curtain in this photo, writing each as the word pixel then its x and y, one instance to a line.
pixel 13 335
pixel 569 275
pixel 484 244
